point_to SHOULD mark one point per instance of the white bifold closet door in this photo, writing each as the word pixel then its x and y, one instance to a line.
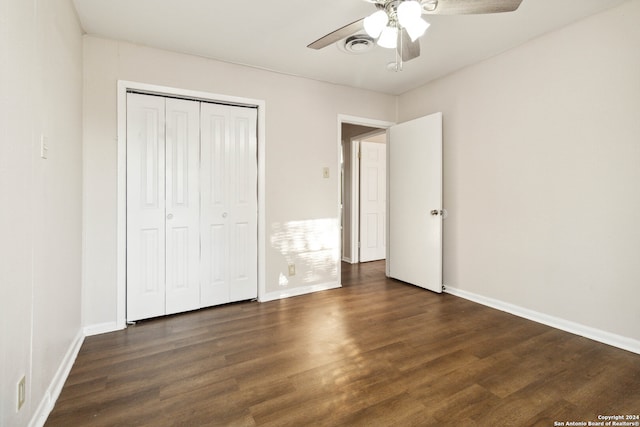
pixel 228 224
pixel 170 180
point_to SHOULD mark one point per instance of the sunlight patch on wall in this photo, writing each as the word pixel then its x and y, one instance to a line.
pixel 282 280
pixel 313 246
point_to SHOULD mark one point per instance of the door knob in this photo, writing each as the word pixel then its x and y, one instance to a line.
pixel 224 214
pixel 435 212
pixel 170 216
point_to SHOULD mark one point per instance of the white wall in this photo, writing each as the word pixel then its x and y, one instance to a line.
pixel 40 200
pixel 542 173
pixel 301 138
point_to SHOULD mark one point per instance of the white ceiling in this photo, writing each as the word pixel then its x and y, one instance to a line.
pixel 273 35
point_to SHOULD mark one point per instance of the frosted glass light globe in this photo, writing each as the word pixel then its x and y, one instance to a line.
pixel 417 28
pixel 409 11
pixel 375 23
pixel 388 38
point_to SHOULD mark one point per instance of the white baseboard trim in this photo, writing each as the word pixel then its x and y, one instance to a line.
pixel 347 259
pixel 53 391
pixel 100 328
pixel 619 341
pixel 293 292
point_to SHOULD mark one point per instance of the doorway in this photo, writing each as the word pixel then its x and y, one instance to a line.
pixel 353 130
pixel 364 190
pixel 413 232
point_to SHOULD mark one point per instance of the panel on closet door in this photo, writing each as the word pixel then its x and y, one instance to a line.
pixel 243 244
pixel 145 206
pixel 214 157
pixel 242 282
pixel 214 283
pixel 182 205
pixel 150 261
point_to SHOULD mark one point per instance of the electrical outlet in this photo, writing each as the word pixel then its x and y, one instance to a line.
pixel 292 269
pixel 22 392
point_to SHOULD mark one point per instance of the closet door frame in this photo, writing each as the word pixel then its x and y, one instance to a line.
pixel 128 86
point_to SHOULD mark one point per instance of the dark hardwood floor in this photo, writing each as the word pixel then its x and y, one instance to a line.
pixel 376 352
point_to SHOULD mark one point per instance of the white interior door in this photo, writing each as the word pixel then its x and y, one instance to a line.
pixel 145 206
pixel 415 202
pixel 182 205
pixel 229 230
pixel 373 172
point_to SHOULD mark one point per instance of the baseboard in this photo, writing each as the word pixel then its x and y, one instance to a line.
pixel 53 391
pixel 100 328
pixel 347 259
pixel 604 337
pixel 293 292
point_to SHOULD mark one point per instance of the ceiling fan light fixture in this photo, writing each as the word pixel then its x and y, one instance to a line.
pixel 417 28
pixel 375 23
pixel 409 12
pixel 388 38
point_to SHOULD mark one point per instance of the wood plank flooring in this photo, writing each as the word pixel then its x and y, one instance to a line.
pixel 376 352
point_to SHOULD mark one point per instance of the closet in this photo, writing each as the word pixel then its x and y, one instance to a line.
pixel 191 205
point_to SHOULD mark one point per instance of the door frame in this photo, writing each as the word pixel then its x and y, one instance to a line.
pixel 121 240
pixel 354 120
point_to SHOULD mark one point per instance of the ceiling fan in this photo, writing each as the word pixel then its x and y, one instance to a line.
pixel 398 24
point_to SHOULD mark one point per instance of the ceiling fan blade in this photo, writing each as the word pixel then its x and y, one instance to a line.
pixel 462 7
pixel 408 49
pixel 338 34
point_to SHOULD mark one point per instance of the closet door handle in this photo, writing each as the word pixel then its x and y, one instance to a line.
pixel 170 216
pixel 224 214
